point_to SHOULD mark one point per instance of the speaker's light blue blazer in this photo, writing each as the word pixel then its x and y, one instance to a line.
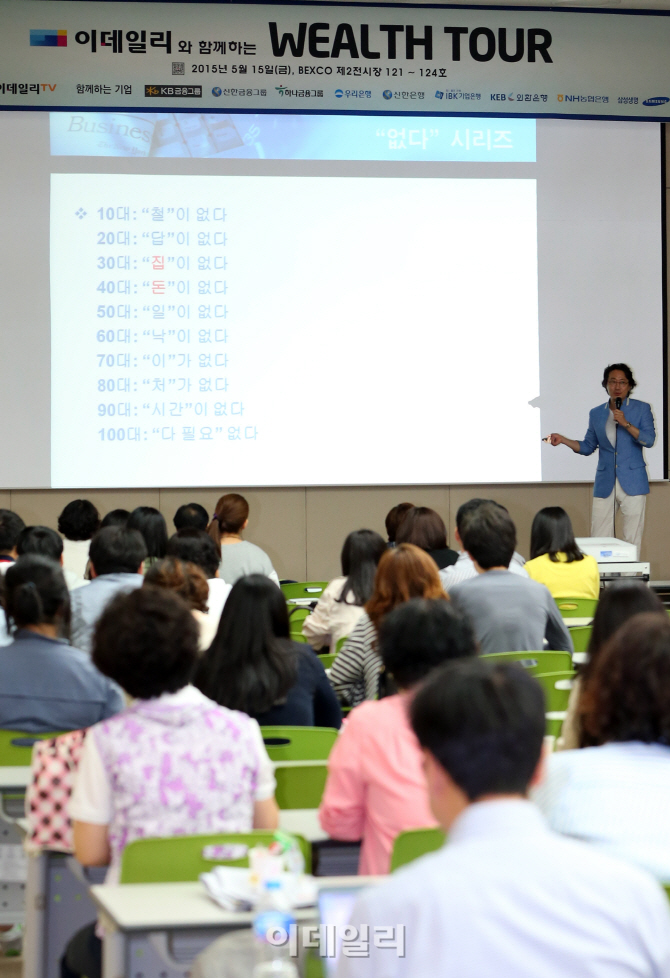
pixel 626 463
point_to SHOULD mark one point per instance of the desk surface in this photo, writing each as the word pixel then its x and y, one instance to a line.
pixel 302 821
pixel 15 777
pixel 577 622
pixel 178 906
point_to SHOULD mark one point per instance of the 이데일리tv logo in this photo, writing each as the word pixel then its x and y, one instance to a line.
pixel 657 100
pixel 48 39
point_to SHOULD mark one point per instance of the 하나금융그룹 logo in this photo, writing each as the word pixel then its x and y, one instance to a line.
pixel 48 39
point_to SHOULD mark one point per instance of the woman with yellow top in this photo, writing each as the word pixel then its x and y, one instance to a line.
pixel 555 559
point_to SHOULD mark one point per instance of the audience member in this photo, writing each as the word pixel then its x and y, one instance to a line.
pixel 555 559
pixel 77 524
pixel 341 604
pixel 394 518
pixel 404 572
pixel 45 684
pixel 505 895
pixel 46 542
pixel 11 525
pixel 115 517
pixel 191 516
pixel 172 743
pixel 117 555
pixel 619 602
pixel 464 569
pixel 198 548
pixel 151 524
pixel 252 665
pixel 509 613
pixel 239 558
pixel 617 794
pixel 376 787
pixel 425 528
pixel 190 583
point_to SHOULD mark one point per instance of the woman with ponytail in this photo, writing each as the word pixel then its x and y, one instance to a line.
pixel 239 558
pixel 45 684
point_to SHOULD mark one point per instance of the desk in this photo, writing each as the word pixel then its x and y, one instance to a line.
pixel 580 658
pixel 157 929
pixel 304 822
pixel 577 622
pixel 13 778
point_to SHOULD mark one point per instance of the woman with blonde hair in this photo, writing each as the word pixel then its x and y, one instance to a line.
pixel 404 572
pixel 239 558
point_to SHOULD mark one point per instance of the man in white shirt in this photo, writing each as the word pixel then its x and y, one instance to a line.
pixel 505 896
pixel 464 567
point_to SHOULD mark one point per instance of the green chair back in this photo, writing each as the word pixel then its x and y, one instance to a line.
pixel 304 589
pixel 16 748
pixel 301 786
pixel 296 617
pixel 298 743
pixel 581 636
pixel 327 659
pixel 182 858
pixel 666 886
pixel 409 845
pixel 534 662
pixel 556 686
pixel 577 607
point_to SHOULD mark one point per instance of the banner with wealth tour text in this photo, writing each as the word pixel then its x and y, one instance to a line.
pixel 433 60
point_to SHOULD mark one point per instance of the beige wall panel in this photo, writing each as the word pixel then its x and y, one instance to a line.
pixel 43 506
pixel 523 503
pixel 656 539
pixel 276 521
pixel 5 499
pixel 333 513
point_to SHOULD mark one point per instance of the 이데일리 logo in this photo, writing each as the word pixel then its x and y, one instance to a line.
pixel 48 39
pixel 387 93
pixel 657 100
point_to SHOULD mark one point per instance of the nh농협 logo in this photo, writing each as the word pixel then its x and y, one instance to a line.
pixel 657 100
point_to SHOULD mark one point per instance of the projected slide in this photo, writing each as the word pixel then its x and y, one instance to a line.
pixel 278 330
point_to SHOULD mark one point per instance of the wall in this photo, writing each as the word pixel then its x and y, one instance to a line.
pixel 302 529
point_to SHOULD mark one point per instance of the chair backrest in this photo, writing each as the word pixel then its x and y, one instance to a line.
pixel 300 784
pixel 304 589
pixel 296 617
pixel 534 662
pixel 577 607
pixel 182 858
pixel 298 743
pixel 327 659
pixel 409 845
pixel 581 636
pixel 16 748
pixel 556 686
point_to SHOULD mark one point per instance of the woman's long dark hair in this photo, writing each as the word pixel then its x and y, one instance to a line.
pixel 36 594
pixel 361 553
pixel 151 524
pixel 251 664
pixel 551 533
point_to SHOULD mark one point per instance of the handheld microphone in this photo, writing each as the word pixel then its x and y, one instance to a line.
pixel 617 404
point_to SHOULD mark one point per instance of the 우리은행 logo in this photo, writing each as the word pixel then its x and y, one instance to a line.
pixel 657 100
pixel 48 39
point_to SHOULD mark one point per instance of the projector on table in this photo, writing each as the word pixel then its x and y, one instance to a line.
pixel 616 559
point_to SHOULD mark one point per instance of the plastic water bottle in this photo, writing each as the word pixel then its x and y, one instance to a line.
pixel 273 919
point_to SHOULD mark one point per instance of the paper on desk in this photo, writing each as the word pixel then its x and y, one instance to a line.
pixel 232 889
pixel 13 864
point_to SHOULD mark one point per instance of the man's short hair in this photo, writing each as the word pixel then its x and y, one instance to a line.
pixel 420 635
pixel 465 511
pixel 40 540
pixel 484 723
pixel 147 642
pixel 11 525
pixel 195 547
pixel 115 517
pixel 191 516
pixel 117 550
pixel 79 520
pixel 489 536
